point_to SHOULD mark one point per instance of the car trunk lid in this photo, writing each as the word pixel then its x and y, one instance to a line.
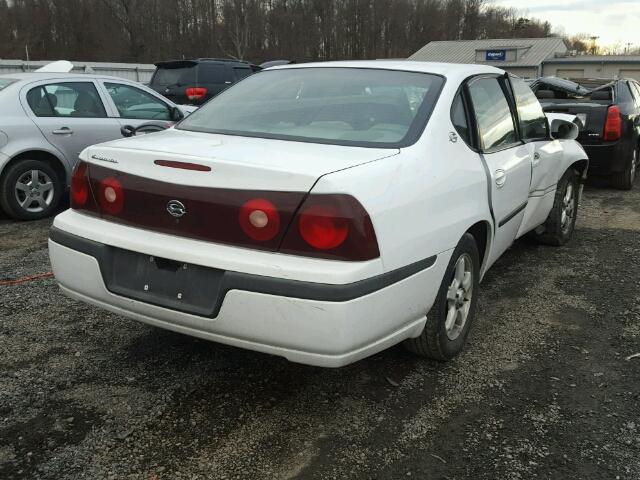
pixel 234 161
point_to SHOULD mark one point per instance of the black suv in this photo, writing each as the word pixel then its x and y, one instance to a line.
pixel 194 82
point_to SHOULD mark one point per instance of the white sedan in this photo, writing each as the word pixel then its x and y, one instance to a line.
pixel 322 212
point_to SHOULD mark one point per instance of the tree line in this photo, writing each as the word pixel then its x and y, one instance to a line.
pixel 254 30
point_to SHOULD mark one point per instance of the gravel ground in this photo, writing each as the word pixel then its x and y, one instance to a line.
pixel 542 391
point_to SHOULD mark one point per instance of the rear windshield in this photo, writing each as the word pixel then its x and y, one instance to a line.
pixel 166 76
pixel 5 82
pixel 342 106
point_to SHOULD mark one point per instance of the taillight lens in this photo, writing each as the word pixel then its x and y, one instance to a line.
pixel 196 93
pixel 613 125
pixel 332 226
pixel 79 186
pixel 111 196
pixel 323 227
pixel 259 219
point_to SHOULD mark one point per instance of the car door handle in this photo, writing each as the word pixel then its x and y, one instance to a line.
pixel 63 131
pixel 500 177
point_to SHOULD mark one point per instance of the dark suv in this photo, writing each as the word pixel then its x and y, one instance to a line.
pixel 610 114
pixel 196 81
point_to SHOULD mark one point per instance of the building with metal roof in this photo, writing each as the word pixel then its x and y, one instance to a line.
pixel 531 57
pixel 593 66
pixel 521 56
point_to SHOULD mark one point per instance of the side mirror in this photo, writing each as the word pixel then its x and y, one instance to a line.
pixel 128 131
pixel 176 114
pixel 564 130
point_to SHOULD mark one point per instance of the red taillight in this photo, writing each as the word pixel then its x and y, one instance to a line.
pixel 195 93
pixel 79 185
pixel 613 125
pixel 259 219
pixel 111 196
pixel 322 227
pixel 332 226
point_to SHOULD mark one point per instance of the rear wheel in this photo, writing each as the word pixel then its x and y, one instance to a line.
pixel 624 180
pixel 30 190
pixel 560 224
pixel 450 318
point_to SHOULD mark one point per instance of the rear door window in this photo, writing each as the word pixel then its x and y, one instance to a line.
pixel 73 99
pixel 493 115
pixel 533 122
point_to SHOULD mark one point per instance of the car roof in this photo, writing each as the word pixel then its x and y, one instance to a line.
pixel 444 69
pixel 37 76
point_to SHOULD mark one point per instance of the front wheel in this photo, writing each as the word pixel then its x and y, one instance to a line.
pixel 450 318
pixel 560 224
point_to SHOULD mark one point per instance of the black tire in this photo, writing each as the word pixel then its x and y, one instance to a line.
pixel 17 173
pixel 434 341
pixel 554 231
pixel 624 180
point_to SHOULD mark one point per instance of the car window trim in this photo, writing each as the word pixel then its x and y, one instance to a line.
pixel 481 148
pixel 45 84
pixel 473 133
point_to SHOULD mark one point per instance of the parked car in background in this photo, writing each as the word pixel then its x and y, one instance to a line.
pixel 610 114
pixel 322 212
pixel 196 81
pixel 47 119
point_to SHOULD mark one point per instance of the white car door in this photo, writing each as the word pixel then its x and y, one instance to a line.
pixel 71 115
pixel 136 105
pixel 507 159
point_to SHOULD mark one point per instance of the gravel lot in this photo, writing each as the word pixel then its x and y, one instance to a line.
pixel 542 391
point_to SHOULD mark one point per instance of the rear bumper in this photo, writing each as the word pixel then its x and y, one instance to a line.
pixel 606 159
pixel 326 325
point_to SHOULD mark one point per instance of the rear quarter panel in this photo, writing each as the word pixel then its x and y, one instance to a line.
pixel 423 200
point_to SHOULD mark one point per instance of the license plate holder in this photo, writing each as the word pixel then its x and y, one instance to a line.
pixel 167 283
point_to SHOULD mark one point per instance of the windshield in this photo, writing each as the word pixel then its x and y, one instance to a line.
pixel 5 82
pixel 166 76
pixel 342 106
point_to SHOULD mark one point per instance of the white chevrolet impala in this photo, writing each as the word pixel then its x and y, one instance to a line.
pixel 322 212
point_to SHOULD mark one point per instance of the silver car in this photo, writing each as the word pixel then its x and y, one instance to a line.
pixel 47 119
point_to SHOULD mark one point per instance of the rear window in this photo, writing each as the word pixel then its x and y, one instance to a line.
pixel 5 82
pixel 342 106
pixel 166 76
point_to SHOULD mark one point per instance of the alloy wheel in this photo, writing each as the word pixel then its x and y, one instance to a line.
pixel 459 297
pixel 568 209
pixel 34 191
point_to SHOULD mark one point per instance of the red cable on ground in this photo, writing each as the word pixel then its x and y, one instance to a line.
pixel 18 281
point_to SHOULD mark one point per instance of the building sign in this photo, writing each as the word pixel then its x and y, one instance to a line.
pixel 495 55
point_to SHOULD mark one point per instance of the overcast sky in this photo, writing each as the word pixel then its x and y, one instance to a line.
pixel 614 21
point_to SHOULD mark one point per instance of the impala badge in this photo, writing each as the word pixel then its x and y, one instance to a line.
pixel 176 208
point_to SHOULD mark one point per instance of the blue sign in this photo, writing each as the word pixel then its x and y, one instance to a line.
pixel 496 55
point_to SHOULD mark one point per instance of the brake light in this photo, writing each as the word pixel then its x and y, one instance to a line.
pixel 259 219
pixel 196 93
pixel 111 196
pixel 79 186
pixel 613 124
pixel 322 227
pixel 332 226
